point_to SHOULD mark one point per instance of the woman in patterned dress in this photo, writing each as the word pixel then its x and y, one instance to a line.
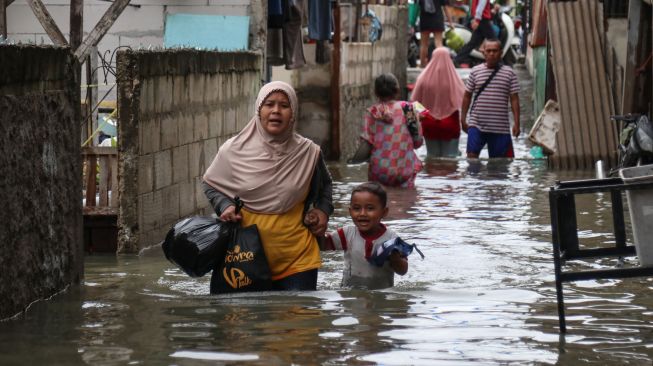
pixel 387 141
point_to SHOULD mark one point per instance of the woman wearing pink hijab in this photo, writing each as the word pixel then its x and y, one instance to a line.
pixel 440 90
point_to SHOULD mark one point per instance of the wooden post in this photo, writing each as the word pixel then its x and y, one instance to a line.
pixel 357 14
pixel 335 85
pixel 92 92
pixel 100 29
pixel 76 23
pixel 3 19
pixel 634 26
pixel 47 22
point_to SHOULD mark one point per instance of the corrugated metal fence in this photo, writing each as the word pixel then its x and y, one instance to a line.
pixel 582 87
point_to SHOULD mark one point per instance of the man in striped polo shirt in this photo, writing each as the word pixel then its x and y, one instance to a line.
pixel 488 118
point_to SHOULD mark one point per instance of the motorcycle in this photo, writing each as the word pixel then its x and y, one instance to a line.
pixel 510 41
pixel 635 141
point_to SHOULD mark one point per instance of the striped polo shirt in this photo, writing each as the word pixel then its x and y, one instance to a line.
pixel 491 110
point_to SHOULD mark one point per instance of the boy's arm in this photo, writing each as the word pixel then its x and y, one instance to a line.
pixel 398 263
pixel 333 241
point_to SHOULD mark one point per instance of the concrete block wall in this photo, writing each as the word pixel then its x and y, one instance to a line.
pixel 141 24
pixel 175 109
pixel 40 179
pixel 313 86
pixel 361 64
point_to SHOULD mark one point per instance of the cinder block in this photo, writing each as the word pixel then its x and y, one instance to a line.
pixel 162 169
pixel 145 173
pixel 157 235
pixel 149 136
pixel 211 89
pixel 201 201
pixel 186 128
pixel 156 97
pixel 160 93
pixel 180 164
pixel 210 148
pixel 315 77
pixel 198 88
pixel 200 127
pixel 214 123
pixel 169 131
pixel 229 121
pixel 178 91
pixel 170 204
pixel 187 198
pixel 235 85
pixel 142 98
pixel 219 94
pixel 225 86
pixel 166 92
pixel 147 91
pixel 196 164
pixel 150 210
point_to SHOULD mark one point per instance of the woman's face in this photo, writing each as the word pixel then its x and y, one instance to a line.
pixel 276 113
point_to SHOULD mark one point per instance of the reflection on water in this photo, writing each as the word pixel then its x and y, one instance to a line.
pixel 483 295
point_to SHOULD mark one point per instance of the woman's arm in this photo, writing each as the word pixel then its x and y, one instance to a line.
pixel 325 197
pixel 362 154
pixel 223 206
pixel 320 198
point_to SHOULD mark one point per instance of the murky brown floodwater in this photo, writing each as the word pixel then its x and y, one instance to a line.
pixel 484 295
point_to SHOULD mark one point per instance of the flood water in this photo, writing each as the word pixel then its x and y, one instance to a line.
pixel 484 295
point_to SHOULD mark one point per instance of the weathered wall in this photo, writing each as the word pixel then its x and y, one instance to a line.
pixel 175 109
pixel 40 183
pixel 313 86
pixel 361 62
pixel 141 24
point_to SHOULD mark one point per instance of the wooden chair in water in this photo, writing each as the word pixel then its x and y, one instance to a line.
pixel 101 193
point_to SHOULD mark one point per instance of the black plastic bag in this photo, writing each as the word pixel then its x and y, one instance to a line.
pixel 197 244
pixel 244 267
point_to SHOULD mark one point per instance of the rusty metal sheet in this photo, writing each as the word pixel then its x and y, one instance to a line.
pixel 538 38
pixel 584 93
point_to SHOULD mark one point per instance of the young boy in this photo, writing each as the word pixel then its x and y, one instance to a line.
pixel 368 206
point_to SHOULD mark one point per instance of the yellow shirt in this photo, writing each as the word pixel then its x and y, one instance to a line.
pixel 289 246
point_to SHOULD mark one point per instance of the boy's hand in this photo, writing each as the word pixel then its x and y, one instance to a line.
pixel 316 221
pixel 398 263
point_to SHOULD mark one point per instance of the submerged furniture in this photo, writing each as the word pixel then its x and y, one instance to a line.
pixel 564 233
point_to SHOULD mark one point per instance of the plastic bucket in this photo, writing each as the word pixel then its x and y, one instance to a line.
pixel 640 205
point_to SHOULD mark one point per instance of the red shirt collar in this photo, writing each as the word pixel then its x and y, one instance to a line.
pixel 374 236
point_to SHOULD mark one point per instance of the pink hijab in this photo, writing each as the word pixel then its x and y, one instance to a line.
pixel 438 87
pixel 271 174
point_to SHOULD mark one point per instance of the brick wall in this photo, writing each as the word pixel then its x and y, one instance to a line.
pixel 176 107
pixel 40 183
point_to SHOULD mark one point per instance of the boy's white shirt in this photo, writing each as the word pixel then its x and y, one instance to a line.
pixel 358 271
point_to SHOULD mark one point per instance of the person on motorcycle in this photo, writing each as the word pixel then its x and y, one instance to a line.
pixel 481 29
